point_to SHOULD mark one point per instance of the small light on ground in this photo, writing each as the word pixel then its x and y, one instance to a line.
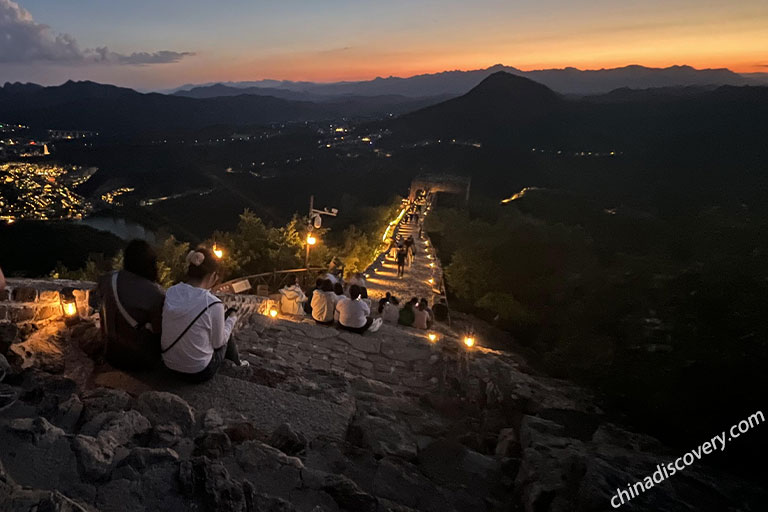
pixel 469 341
pixel 432 337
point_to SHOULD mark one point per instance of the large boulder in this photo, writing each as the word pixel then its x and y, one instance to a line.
pixel 286 440
pixel 383 437
pixel 37 454
pixel 270 470
pixel 163 408
pixel 209 484
pixel 100 400
pixel 346 493
pixel 101 443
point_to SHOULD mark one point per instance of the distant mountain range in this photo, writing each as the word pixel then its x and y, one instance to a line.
pixel 118 111
pixel 565 81
pixel 503 107
pixel 510 111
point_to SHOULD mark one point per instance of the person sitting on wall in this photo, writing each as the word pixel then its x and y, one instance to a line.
pixel 308 303
pixel 421 316
pixel 292 299
pixel 440 311
pixel 324 303
pixel 196 328
pixel 407 314
pixel 390 312
pixel 131 310
pixel 354 313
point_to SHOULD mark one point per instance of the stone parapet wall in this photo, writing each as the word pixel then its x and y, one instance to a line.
pixel 38 301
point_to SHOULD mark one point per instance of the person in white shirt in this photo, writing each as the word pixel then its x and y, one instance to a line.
pixel 324 303
pixel 354 313
pixel 196 329
pixel 292 300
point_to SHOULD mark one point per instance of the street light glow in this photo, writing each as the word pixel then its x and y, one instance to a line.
pixel 217 251
pixel 469 341
pixel 311 240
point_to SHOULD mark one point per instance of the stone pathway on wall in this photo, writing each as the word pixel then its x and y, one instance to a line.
pixel 415 283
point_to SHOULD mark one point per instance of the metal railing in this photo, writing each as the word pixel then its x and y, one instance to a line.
pixel 270 282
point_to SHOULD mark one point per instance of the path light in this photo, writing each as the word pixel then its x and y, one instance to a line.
pixel 431 265
pixel 273 312
pixel 431 280
pixel 432 337
pixel 217 251
pixel 69 305
pixel 469 341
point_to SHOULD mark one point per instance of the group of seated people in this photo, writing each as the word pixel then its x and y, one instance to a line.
pixel 415 313
pixel 186 327
pixel 351 311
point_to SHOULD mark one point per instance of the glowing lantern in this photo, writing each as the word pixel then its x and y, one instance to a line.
pixel 432 337
pixel 217 251
pixel 69 305
pixel 469 341
pixel 273 312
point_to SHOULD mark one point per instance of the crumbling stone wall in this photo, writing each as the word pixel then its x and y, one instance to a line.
pixel 37 301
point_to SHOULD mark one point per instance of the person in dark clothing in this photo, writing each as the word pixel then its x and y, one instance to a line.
pixel 407 315
pixel 401 255
pixel 131 310
pixel 440 311
pixel 338 289
pixel 410 249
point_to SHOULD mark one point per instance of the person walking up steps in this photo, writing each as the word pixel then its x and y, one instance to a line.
pixel 401 255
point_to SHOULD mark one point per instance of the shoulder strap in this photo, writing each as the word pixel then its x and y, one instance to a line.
pixel 163 351
pixel 128 318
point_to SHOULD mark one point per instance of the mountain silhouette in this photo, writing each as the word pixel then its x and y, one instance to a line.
pixel 116 110
pixel 567 80
pixel 503 106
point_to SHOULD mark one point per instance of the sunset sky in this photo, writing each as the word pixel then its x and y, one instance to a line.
pixel 151 44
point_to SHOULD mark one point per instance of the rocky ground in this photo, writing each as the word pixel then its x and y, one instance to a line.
pixel 324 420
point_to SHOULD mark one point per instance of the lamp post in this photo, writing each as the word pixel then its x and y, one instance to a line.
pixel 311 240
pixel 315 221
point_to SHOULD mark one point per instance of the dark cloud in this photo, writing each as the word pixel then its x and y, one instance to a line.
pixel 22 40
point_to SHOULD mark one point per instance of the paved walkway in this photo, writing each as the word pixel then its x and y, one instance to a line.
pixel 416 281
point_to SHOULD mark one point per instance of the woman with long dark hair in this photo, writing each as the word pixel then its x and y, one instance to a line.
pixel 131 310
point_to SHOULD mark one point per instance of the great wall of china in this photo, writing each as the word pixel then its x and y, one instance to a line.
pixel 322 420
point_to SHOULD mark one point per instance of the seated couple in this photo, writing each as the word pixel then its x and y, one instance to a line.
pixel 351 313
pixel 187 327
